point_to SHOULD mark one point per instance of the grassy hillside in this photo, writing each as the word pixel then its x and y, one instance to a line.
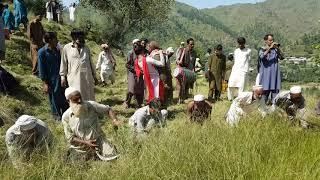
pixel 258 149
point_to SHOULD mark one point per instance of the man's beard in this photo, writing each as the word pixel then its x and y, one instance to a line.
pixel 79 110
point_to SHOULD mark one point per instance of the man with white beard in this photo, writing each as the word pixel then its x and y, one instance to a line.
pixel 246 103
pixel 82 128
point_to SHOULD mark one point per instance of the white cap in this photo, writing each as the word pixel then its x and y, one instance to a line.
pixel 25 123
pixel 69 91
pixel 170 50
pixel 199 98
pixel 256 87
pixel 135 41
pixel 295 90
pixel 197 59
pixel 182 43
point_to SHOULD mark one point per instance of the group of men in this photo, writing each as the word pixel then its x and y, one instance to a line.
pixel 69 77
pixel 13 20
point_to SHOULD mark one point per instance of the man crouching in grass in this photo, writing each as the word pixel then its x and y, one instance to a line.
pixel 82 128
pixel 199 110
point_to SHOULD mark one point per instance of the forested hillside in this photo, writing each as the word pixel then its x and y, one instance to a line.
pixel 290 21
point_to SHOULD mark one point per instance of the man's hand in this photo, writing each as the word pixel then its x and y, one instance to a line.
pixel 64 83
pixel 45 88
pixel 91 143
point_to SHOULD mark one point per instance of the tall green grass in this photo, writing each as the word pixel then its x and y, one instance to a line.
pixel 269 148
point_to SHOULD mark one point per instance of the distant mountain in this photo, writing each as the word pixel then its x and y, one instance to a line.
pixel 289 20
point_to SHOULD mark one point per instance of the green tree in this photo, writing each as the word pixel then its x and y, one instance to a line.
pixel 114 20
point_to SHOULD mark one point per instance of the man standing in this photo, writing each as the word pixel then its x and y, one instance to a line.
pixel 35 33
pixel 76 68
pixel 269 68
pixel 82 128
pixel 199 110
pixel 216 72
pixel 245 103
pixel 20 13
pixel 135 84
pixel 168 78
pixel 49 66
pixel 106 63
pixel 8 18
pixel 239 74
pixel 187 59
pixel 292 103
pixel 72 10
pixel 25 136
pixel 145 118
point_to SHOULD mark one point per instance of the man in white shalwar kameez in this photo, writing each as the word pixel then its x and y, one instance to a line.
pixel 239 74
pixel 76 68
pixel 245 103
pixel 82 127
pixel 106 62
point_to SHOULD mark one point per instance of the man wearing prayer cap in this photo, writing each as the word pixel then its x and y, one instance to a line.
pixel 25 136
pixel 135 84
pixel 82 128
pixel 199 110
pixel 145 118
pixel 168 78
pixel 246 103
pixel 291 103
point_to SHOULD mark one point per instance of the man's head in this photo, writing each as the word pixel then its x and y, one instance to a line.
pixel 218 50
pixel 136 43
pixel 209 50
pixel 51 39
pixel 170 51
pixel 78 37
pixel 144 43
pixel 296 94
pixel 25 126
pixel 105 47
pixel 154 106
pixel 182 44
pixel 190 43
pixel 257 91
pixel 241 42
pixel 77 106
pixel 268 39
pixel 153 46
pixel 230 57
pixel 199 100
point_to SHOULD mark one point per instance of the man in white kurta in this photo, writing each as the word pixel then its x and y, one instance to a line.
pixel 76 67
pixel 246 103
pixel 25 136
pixel 82 127
pixel 239 74
pixel 106 63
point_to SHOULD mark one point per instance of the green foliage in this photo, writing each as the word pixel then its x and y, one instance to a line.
pixel 36 6
pixel 121 17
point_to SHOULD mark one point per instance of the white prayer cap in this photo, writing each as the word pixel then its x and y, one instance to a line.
pixel 197 59
pixel 257 87
pixel 295 90
pixel 199 98
pixel 104 46
pixel 135 41
pixel 182 43
pixel 69 91
pixel 25 123
pixel 170 50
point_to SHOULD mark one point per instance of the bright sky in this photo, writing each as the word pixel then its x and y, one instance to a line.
pixel 196 3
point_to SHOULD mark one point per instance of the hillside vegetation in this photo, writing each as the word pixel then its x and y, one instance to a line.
pixel 269 148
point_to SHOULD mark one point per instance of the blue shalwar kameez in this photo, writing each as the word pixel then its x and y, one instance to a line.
pixel 20 13
pixel 8 19
pixel 49 68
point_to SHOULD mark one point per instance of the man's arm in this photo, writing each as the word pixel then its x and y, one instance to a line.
pixel 43 74
pixel 64 67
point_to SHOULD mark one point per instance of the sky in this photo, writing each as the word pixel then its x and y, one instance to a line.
pixel 197 3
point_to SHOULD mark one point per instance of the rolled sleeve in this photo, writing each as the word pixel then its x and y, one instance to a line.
pixel 67 130
pixel 100 108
